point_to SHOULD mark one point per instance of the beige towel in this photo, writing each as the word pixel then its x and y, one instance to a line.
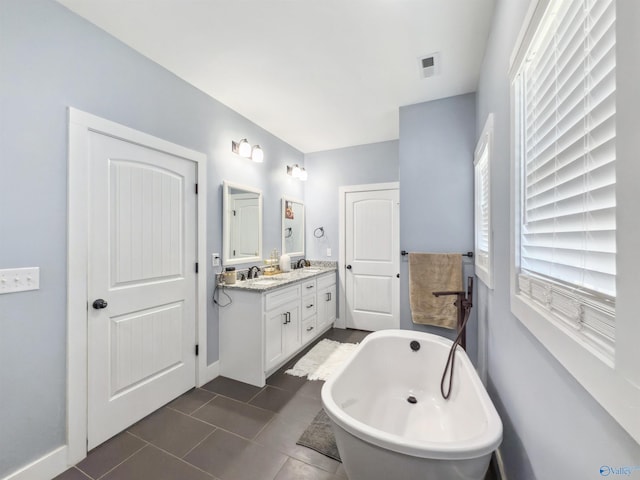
pixel 433 272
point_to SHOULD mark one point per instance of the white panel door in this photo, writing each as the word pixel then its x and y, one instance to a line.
pixel 372 259
pixel 142 252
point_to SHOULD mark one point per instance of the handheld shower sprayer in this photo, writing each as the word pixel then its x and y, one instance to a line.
pixel 464 302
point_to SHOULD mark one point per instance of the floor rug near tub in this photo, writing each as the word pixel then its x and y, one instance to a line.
pixel 319 437
pixel 322 360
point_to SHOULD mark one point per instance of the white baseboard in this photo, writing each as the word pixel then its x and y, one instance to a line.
pixel 500 465
pixel 45 468
pixel 212 371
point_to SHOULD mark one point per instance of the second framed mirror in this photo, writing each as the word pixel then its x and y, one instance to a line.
pixel 292 226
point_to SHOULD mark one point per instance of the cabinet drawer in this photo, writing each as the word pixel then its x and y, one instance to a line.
pixel 309 286
pixel 308 329
pixel 309 306
pixel 280 297
pixel 327 280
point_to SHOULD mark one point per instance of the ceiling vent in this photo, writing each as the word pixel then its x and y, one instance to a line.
pixel 429 65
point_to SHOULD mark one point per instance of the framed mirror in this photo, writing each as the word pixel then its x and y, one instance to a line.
pixel 292 226
pixel 241 224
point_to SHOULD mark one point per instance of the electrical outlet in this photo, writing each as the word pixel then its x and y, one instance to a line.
pixel 328 252
pixel 215 259
pixel 19 279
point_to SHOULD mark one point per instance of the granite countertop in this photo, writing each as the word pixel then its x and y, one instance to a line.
pixel 271 282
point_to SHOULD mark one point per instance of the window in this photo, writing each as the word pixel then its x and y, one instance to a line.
pixel 566 112
pixel 574 197
pixel 571 314
pixel 483 244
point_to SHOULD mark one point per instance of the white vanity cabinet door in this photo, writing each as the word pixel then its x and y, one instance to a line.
pixel 326 301
pixel 282 333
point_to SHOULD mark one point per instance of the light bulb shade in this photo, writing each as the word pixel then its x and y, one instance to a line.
pixel 244 149
pixel 303 174
pixel 257 155
pixel 295 172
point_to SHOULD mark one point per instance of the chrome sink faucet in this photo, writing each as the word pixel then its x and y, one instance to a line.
pixel 301 263
pixel 253 272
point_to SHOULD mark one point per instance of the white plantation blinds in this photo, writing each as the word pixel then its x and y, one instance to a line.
pixel 482 215
pixel 567 138
pixel 482 205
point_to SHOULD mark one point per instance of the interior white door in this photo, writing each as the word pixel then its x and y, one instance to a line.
pixel 372 237
pixel 142 253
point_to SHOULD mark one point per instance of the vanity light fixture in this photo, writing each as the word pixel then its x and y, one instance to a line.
pixel 244 149
pixel 296 171
pixel 257 155
pixel 241 148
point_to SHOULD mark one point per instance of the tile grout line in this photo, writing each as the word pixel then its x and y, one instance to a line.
pixel 83 472
pixel 215 395
pixel 273 417
pixel 190 414
pixel 288 455
pixel 182 460
pixel 199 443
pixel 258 393
pixel 134 453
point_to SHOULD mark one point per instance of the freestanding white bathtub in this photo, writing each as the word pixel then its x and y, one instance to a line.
pixel 390 420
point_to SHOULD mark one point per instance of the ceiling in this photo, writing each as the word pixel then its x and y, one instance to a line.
pixel 319 74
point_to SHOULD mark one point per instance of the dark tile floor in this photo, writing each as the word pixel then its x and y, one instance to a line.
pixel 225 430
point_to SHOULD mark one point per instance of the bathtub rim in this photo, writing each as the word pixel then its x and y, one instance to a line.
pixel 478 446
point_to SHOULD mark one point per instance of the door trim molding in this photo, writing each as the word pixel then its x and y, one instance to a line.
pixel 80 125
pixel 341 321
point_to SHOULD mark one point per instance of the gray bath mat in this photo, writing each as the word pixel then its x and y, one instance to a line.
pixel 319 437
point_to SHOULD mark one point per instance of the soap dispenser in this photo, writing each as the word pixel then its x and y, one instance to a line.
pixel 285 263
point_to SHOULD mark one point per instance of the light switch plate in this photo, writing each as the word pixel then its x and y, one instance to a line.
pixel 328 252
pixel 19 279
pixel 215 259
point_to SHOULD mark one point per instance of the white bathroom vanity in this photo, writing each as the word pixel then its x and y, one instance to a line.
pixel 270 319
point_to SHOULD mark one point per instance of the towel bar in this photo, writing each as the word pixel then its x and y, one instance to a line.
pixel 468 254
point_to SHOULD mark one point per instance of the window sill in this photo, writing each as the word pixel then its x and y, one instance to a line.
pixel 484 275
pixel 596 373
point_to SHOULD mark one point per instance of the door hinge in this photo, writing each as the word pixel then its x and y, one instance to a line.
pixel 196 267
pixel 196 188
pixel 197 350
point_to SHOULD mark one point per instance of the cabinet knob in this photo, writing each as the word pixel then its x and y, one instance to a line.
pixel 309 329
pixel 310 306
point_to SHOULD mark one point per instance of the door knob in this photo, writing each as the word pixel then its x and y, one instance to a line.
pixel 99 303
pixel 348 267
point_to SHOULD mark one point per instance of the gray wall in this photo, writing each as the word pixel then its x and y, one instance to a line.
pixel 50 59
pixel 552 427
pixel 437 140
pixel 331 169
